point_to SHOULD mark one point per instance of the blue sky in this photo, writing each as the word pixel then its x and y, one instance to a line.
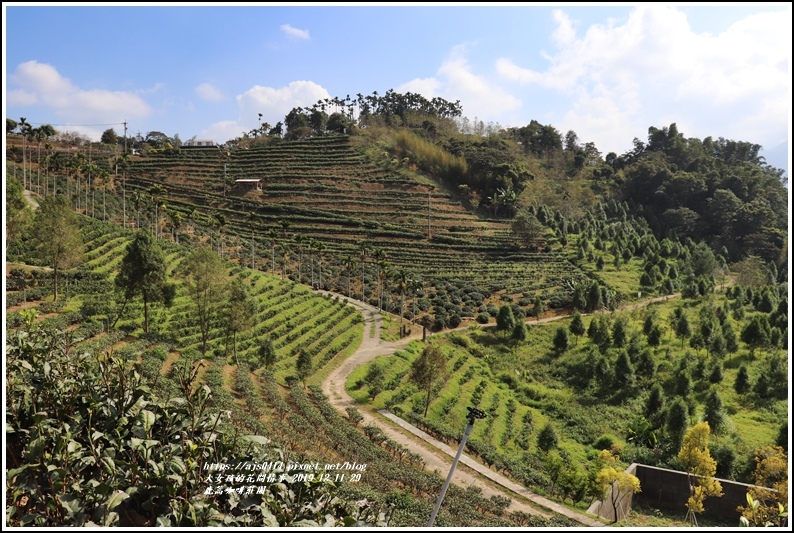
pixel 607 72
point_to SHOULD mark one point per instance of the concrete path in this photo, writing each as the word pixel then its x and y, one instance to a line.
pixel 437 455
pixel 493 476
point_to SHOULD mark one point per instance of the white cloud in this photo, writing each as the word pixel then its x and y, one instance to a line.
pixel 427 87
pixel 565 33
pixel 208 92
pixel 652 68
pixel 295 32
pixel 224 130
pixel 37 83
pixel 273 103
pixel 455 80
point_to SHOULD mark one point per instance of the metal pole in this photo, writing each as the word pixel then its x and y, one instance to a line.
pixel 451 471
pixel 474 414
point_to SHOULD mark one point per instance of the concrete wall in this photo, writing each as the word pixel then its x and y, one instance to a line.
pixel 669 489
pixel 663 488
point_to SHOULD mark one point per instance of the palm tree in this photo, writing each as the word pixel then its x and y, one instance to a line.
pixel 299 240
pixel 284 249
pixel 124 161
pixel 272 235
pixel 105 179
pixel 156 191
pixel 220 218
pixel 401 277
pixel 383 272
pixel 364 250
pixel 42 133
pixel 414 286
pixel 378 255
pixel 251 217
pixel 24 129
pixel 193 218
pixel 76 165
pixel 175 220
pixel 285 224
pixel 350 264
pixel 320 253
pixel 90 186
pixel 137 202
pixel 311 245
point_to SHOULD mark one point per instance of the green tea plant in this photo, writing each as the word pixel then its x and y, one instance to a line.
pixel 91 444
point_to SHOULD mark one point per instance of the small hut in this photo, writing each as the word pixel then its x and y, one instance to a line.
pixel 248 184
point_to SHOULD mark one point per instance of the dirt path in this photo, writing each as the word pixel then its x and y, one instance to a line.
pixel 29 197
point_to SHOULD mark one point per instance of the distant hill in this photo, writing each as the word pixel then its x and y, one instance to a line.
pixel 778 156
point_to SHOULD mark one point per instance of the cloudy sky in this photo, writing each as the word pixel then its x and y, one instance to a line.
pixel 606 72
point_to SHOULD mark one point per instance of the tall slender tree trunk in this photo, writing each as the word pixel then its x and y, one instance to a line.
pixel 145 314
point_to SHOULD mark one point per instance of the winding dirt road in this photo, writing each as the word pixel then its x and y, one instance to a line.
pixel 437 455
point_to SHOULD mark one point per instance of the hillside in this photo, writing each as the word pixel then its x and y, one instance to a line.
pixel 324 190
pixel 507 240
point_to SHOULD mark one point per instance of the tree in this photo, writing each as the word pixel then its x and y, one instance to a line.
pixel 241 309
pixel 109 137
pixel 267 352
pixel 594 298
pixel 676 422
pixel 655 402
pixel 713 413
pixel 561 340
pixel 577 325
pixel 655 335
pixel 624 371
pixel 303 365
pixel 547 438
pixel 682 328
pixel 338 123
pixel 505 321
pixel 526 228
pixel 756 333
pixel 401 278
pixel 771 472
pixel 538 307
pixel 742 383
pixel 695 457
pixel 619 332
pixel 519 333
pixel 56 235
pixel 621 482
pixel 204 277
pixel 429 367
pixel 143 274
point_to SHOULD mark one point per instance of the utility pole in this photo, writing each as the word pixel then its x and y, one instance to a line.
pixel 473 415
pixel 124 178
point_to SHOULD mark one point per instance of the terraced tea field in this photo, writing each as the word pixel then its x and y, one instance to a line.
pixel 322 200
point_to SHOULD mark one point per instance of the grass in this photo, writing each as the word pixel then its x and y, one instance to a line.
pixel 644 516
